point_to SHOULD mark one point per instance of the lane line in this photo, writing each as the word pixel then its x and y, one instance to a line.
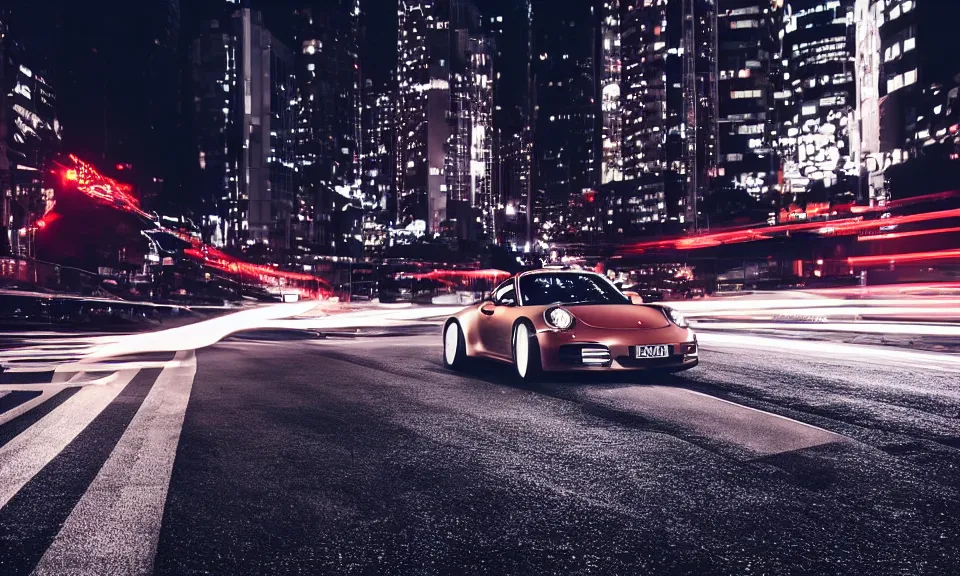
pixel 35 514
pixel 758 432
pixel 24 416
pixel 20 401
pixel 25 455
pixel 115 527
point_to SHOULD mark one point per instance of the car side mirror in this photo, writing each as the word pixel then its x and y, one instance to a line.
pixel 634 297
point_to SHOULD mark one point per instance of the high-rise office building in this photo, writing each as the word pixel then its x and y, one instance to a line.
pixel 610 80
pixel 815 106
pixel 30 132
pixel 377 162
pixel 329 128
pixel 669 101
pixel 214 85
pixel 250 140
pixel 266 118
pixel 443 67
pixel 908 100
pixel 566 148
pixel 747 50
pixel 510 29
pixel 468 167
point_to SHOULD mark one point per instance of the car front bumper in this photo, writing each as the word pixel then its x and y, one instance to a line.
pixel 592 349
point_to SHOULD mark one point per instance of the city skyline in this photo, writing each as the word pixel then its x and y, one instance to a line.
pixel 521 123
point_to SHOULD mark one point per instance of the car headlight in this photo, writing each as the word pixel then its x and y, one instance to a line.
pixel 676 317
pixel 559 318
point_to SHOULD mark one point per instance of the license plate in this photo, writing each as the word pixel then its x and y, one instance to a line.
pixel 658 351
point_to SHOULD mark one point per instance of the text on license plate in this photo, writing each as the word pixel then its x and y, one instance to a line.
pixel 658 351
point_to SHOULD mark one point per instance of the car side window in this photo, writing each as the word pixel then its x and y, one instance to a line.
pixel 505 295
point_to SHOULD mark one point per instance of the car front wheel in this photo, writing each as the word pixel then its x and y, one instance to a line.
pixel 454 346
pixel 526 353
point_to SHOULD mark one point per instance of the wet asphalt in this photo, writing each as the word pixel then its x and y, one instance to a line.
pixel 366 456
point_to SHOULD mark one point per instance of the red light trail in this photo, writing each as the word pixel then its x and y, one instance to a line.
pixel 912 233
pixel 115 194
pixel 451 277
pixel 901 258
pixel 99 187
pixel 836 227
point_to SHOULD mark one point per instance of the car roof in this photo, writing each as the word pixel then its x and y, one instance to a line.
pixel 556 271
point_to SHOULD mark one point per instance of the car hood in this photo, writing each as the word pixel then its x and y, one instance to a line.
pixel 620 316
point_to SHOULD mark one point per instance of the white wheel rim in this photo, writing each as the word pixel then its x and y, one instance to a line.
pixel 450 342
pixel 521 350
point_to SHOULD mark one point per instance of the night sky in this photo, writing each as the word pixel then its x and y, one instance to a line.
pixel 379 50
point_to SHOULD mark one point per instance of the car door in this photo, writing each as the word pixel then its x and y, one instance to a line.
pixel 496 321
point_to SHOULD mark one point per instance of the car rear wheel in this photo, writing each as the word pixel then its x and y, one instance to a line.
pixel 526 353
pixel 454 346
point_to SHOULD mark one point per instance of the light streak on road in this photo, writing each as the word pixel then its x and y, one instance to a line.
pixel 901 258
pixel 882 328
pixel 831 227
pixel 910 234
pixel 854 353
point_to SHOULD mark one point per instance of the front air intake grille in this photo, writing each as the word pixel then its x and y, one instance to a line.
pixel 585 355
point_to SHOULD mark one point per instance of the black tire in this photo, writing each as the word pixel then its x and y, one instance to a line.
pixel 458 359
pixel 533 370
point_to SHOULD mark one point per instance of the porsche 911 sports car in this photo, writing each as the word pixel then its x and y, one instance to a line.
pixel 562 320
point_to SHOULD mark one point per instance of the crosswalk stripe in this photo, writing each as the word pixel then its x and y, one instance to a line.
pixel 24 456
pixel 115 526
pixel 16 411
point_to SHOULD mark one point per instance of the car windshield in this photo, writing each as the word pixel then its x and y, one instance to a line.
pixel 567 288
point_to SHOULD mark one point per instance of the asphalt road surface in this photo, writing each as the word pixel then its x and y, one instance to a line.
pixel 272 455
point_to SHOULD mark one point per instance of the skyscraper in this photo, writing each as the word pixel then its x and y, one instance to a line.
pixel 468 167
pixel 610 80
pixel 329 136
pixel 378 165
pixel 815 107
pixel 511 29
pixel 908 96
pixel 746 64
pixel 250 141
pixel 436 72
pixel 669 95
pixel 214 87
pixel 566 147
pixel 30 131
pixel 267 111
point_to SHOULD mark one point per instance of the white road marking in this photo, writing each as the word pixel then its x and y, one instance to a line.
pixel 46 392
pixel 834 351
pixel 24 456
pixel 760 433
pixel 115 527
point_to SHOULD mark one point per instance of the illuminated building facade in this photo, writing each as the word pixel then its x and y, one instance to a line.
pixel 244 87
pixel 30 133
pixel 917 80
pixel 328 129
pixel 442 59
pixel 215 88
pixel 747 50
pixel 468 166
pixel 513 137
pixel 378 165
pixel 817 100
pixel 611 168
pixel 266 117
pixel 669 101
pixel 566 149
